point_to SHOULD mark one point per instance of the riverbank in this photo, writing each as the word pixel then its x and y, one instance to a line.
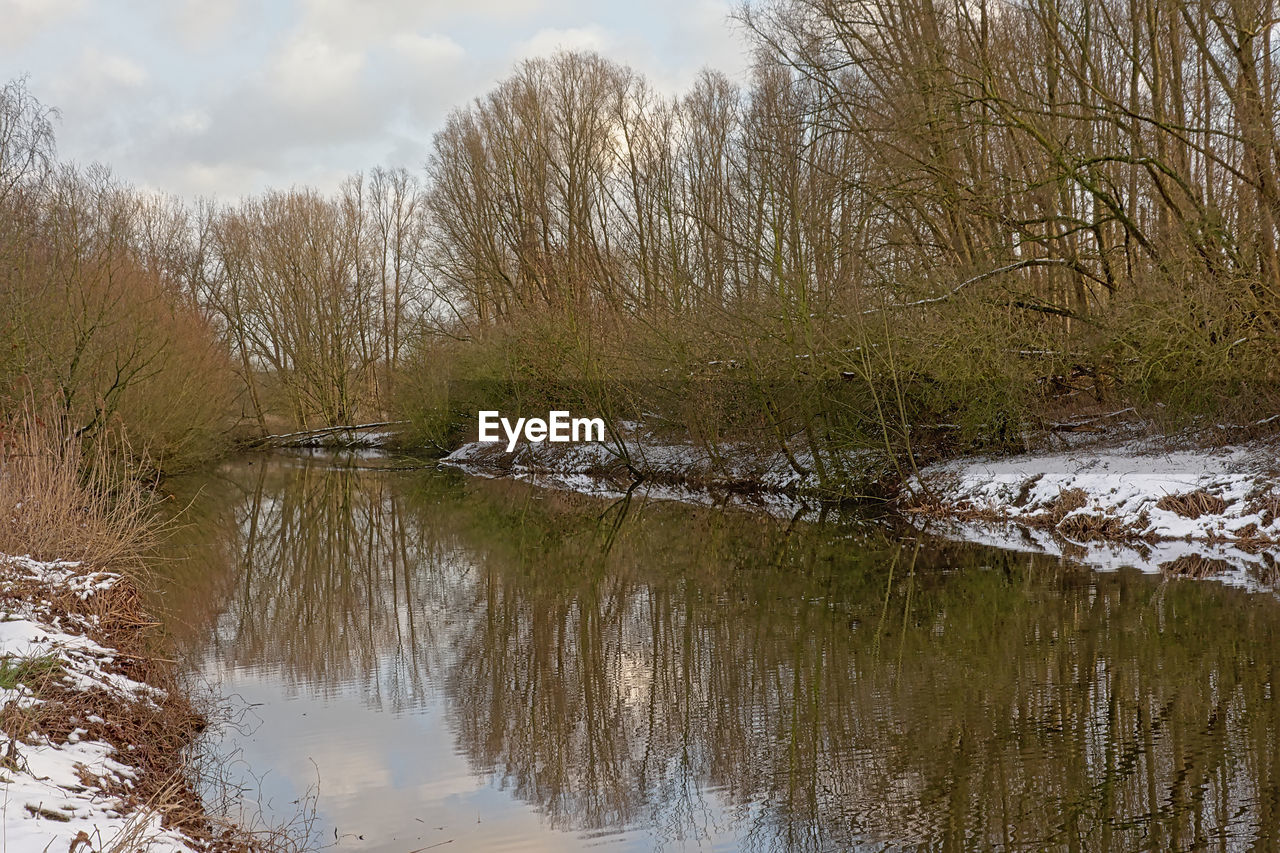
pixel 1161 505
pixel 632 454
pixel 94 728
pixel 1137 490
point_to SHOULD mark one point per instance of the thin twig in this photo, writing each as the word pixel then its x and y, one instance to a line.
pixel 1030 262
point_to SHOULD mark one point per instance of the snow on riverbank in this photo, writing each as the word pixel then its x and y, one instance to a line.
pixel 685 473
pixel 1189 512
pixel 1211 512
pixel 1133 490
pixel 69 792
pixel 689 472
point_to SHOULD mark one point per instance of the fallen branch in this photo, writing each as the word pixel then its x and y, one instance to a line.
pixel 1072 426
pixel 308 433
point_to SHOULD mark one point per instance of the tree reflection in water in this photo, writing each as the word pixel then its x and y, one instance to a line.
pixel 795 685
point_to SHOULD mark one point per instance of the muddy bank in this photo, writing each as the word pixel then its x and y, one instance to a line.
pixel 94 728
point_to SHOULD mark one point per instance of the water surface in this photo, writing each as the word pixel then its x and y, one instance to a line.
pixel 483 665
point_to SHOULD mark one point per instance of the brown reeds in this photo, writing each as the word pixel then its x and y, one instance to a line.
pixel 1085 527
pixel 63 499
pixel 1192 504
pixel 1067 502
pixel 1266 505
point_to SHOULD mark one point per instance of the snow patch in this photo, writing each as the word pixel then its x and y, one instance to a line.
pixel 1199 512
pixel 48 802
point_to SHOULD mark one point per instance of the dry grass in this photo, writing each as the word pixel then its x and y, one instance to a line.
pixel 62 500
pixel 1067 502
pixel 1266 505
pixel 137 832
pixel 1193 504
pixel 1083 527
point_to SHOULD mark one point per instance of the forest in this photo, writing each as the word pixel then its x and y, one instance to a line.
pixel 917 228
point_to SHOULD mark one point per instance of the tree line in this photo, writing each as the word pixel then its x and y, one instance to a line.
pixel 913 220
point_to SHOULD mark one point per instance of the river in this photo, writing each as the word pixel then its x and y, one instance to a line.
pixel 418 660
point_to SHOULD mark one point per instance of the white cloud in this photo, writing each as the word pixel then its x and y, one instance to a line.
pixel 98 78
pixel 426 52
pixel 225 96
pixel 116 71
pixel 202 179
pixel 362 22
pixel 311 69
pixel 199 23
pixel 548 41
pixel 25 19
pixel 190 122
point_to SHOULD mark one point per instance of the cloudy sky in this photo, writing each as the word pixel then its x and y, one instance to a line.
pixel 226 97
